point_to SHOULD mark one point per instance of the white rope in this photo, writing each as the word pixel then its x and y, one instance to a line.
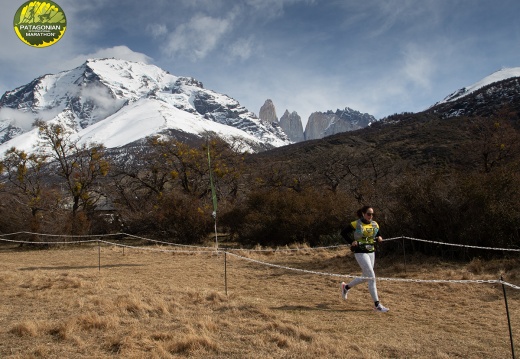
pixel 478 281
pixel 29 242
pixel 244 249
pixel 278 249
pixel 160 242
pixel 456 245
pixel 63 235
pixel 166 243
pixel 158 249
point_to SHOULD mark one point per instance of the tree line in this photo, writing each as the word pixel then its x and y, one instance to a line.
pixel 161 189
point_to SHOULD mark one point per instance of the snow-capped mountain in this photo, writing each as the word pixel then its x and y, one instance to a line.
pixel 500 90
pixel 497 76
pixel 116 103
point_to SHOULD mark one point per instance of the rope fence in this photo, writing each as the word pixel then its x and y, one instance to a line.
pixel 459 245
pixel 476 281
pixel 226 249
pixel 232 252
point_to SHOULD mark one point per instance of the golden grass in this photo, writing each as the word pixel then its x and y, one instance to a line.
pixel 56 303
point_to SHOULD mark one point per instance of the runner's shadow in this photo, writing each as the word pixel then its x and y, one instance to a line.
pixel 321 306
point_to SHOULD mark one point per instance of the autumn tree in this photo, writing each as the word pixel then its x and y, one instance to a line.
pixel 142 176
pixel 493 141
pixel 79 166
pixel 187 165
pixel 330 168
pixel 24 173
pixel 279 175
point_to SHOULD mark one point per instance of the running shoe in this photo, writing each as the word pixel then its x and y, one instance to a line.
pixel 381 308
pixel 344 290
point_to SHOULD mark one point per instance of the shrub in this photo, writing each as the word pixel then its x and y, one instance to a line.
pixel 473 209
pixel 281 217
pixel 176 217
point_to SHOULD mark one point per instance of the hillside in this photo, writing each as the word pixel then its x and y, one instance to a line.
pixel 420 140
pixel 444 135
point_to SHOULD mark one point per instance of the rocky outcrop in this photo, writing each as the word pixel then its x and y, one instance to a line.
pixel 322 124
pixel 268 112
pixel 291 124
pixel 317 124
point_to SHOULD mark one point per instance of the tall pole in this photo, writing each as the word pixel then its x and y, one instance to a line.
pixel 99 255
pixel 225 271
pixel 213 197
pixel 508 319
pixel 216 234
pixel 404 254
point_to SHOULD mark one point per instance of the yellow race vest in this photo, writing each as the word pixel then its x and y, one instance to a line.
pixel 365 234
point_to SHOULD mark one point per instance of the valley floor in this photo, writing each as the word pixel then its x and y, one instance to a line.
pixel 110 302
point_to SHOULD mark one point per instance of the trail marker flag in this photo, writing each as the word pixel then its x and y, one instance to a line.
pixel 213 197
pixel 213 192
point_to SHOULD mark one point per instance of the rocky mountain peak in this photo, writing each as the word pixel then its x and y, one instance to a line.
pixel 322 124
pixel 291 124
pixel 268 112
pixel 319 125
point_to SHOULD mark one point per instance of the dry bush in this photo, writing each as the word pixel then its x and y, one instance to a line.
pixel 283 217
pixel 92 320
pixel 63 330
pixel 13 215
pixel 476 266
pixel 471 209
pixel 176 216
pixel 189 343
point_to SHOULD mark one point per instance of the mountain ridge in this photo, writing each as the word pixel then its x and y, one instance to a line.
pixel 461 134
pixel 106 89
pixel 108 100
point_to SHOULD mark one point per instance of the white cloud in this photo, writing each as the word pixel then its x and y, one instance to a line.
pixel 268 8
pixel 242 48
pixel 202 4
pixel 419 66
pixel 101 96
pixel 118 52
pixel 16 118
pixel 272 8
pixel 157 30
pixel 197 38
pixel 25 120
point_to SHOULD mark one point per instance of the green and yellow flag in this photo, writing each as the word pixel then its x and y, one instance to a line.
pixel 213 192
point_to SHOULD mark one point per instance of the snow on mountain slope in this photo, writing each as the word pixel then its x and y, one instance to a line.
pixel 500 75
pixel 149 117
pixel 116 102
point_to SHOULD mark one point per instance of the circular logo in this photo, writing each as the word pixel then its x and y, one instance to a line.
pixel 40 23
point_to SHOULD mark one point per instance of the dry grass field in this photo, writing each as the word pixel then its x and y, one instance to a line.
pixel 58 303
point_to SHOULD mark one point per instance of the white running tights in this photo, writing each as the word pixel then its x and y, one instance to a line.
pixel 366 262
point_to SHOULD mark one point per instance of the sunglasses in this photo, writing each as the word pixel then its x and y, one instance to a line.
pixel 370 214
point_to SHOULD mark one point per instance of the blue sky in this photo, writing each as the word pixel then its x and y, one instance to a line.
pixel 375 56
